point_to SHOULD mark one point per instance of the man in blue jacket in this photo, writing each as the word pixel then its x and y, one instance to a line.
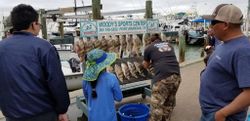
pixel 32 85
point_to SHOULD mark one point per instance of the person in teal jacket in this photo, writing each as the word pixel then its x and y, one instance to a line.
pixel 101 89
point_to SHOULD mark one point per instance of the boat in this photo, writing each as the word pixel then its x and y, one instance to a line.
pixel 73 79
pixel 64 47
pixel 194 37
pixel 64 43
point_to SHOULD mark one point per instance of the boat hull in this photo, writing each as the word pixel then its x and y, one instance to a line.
pixel 74 81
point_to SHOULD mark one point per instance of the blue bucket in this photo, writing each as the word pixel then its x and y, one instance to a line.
pixel 134 112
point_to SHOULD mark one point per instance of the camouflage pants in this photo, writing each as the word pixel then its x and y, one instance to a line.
pixel 163 98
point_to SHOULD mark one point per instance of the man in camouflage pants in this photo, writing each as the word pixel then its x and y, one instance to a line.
pixel 163 98
pixel 167 78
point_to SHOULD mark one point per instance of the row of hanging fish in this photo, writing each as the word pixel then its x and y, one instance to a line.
pixel 123 45
pixel 130 71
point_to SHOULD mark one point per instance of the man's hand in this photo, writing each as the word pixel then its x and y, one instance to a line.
pixel 63 117
pixel 219 116
pixel 240 103
pixel 208 47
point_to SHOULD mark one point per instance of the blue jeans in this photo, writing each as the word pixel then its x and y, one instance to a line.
pixel 207 117
pixel 210 117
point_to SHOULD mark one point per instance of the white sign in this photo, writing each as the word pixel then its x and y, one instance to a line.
pixel 88 29
pixel 122 26
pixel 92 28
pixel 153 26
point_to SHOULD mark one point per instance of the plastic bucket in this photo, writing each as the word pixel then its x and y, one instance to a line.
pixel 134 112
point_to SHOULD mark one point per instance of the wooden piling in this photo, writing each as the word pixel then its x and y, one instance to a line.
pixel 60 29
pixel 96 9
pixel 149 10
pixel 182 47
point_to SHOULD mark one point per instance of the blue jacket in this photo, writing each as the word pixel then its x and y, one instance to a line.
pixel 31 80
pixel 103 107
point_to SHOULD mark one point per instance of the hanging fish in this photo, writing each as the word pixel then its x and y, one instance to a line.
pixel 97 44
pixel 125 70
pixel 89 46
pixel 122 45
pixel 150 69
pixel 81 44
pixel 111 45
pixel 132 69
pixel 116 44
pixel 110 69
pixel 139 69
pixel 146 39
pixel 136 49
pixel 104 44
pixel 123 42
pixel 119 73
pixel 80 49
pixel 129 44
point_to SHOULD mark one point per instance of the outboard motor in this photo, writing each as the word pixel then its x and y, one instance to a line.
pixel 74 65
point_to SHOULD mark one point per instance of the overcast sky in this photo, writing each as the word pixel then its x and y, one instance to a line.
pixel 162 6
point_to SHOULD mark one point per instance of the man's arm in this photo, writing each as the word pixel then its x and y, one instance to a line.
pixel 56 81
pixel 146 58
pixel 241 102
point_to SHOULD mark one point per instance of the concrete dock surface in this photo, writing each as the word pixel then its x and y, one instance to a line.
pixel 187 105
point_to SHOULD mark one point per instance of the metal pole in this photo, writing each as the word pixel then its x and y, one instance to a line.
pixel 247 19
pixel 43 22
pixel 61 29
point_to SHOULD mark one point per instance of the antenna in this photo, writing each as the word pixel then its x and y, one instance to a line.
pixel 75 13
pixel 82 3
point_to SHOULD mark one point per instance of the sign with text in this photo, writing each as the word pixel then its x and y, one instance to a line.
pixel 122 26
pixel 153 26
pixel 88 29
pixel 107 27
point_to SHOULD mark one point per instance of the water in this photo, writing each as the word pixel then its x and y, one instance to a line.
pixel 192 53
